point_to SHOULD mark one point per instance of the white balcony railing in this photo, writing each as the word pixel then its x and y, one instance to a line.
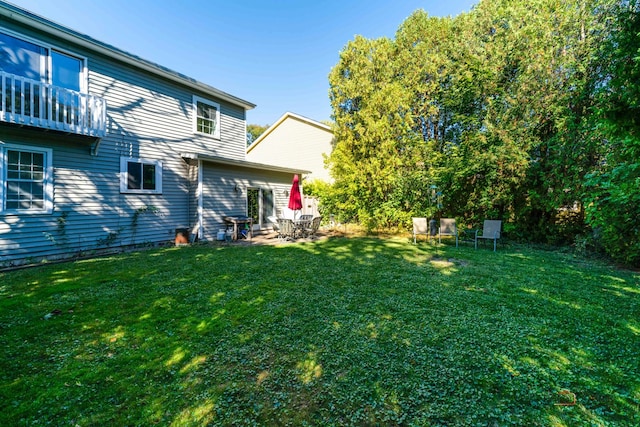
pixel 33 103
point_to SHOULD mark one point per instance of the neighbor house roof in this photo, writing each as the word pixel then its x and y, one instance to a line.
pixel 284 117
pixel 23 16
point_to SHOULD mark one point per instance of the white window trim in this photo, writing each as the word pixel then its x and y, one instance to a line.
pixel 197 99
pixel 84 86
pixel 45 63
pixel 47 183
pixel 123 175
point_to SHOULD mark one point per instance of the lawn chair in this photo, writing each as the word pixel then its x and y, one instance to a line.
pixel 490 230
pixel 420 226
pixel 273 220
pixel 286 229
pixel 313 227
pixel 447 228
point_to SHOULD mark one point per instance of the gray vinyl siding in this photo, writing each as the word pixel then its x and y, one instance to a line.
pixel 87 190
pixel 147 117
pixel 146 106
pixel 220 200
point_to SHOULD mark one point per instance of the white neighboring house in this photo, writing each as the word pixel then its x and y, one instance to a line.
pixel 296 142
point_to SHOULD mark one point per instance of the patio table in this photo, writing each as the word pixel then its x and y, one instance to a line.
pixel 239 220
pixel 301 225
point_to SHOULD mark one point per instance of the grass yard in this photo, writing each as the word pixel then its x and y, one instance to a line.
pixel 359 331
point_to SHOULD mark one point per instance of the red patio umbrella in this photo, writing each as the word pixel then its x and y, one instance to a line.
pixel 295 198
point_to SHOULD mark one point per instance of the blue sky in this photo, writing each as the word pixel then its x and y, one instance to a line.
pixel 276 54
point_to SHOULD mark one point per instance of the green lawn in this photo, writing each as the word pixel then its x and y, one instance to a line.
pixel 359 331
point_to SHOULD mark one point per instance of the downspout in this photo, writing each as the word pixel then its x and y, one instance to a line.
pixel 200 202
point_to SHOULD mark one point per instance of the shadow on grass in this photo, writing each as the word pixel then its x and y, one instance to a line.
pixel 346 331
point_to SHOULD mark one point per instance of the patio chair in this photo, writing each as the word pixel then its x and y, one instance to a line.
pixel 305 217
pixel 490 230
pixel 273 221
pixel 420 226
pixel 313 227
pixel 447 228
pixel 286 229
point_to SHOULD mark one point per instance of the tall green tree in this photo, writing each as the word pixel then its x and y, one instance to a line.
pixel 371 129
pixel 423 59
pixel 542 55
pixel 614 188
pixel 505 109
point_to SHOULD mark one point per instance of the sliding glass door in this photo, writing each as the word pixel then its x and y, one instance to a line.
pixel 259 206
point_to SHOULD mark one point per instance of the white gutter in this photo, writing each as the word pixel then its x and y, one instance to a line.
pixel 192 157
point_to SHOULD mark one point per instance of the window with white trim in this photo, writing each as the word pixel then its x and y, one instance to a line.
pixel 26 178
pixel 35 60
pixel 140 176
pixel 206 117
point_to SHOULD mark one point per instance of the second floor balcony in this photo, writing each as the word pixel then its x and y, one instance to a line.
pixel 33 103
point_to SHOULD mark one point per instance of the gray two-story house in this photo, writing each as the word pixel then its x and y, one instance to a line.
pixel 101 149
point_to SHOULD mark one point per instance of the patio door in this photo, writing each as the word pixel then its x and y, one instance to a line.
pixel 259 206
pixel 267 206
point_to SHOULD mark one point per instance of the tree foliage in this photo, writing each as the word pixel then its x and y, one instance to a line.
pixel 510 110
pixel 614 188
pixel 254 131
